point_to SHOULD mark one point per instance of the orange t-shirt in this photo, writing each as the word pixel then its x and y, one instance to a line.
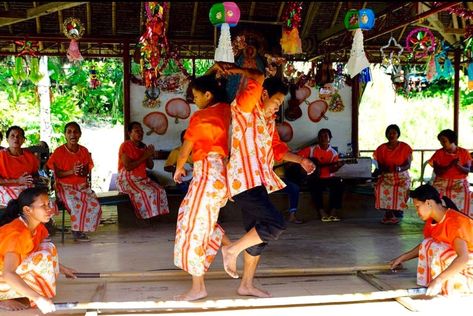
pixel 134 153
pixel 393 157
pixel 13 167
pixel 453 225
pixel 208 130
pixel 63 159
pixel 323 156
pixel 16 237
pixel 443 158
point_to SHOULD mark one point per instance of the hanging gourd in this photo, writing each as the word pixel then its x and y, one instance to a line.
pixel 224 15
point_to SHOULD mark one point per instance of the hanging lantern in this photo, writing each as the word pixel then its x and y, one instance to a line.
pixel 224 15
pixel 366 19
pixel 351 20
pixel 290 41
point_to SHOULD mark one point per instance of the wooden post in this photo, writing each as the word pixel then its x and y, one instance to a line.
pixel 456 91
pixel 126 86
pixel 355 102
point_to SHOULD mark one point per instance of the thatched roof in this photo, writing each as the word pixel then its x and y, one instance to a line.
pixel 110 24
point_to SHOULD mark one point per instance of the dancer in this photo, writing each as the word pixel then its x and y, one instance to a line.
pixel 198 235
pixel 255 146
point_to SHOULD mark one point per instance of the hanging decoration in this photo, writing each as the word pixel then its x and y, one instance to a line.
pixel 446 71
pixel 93 81
pixel 26 47
pixel 157 122
pixel 358 62
pixel 392 64
pixel 178 108
pixel 316 110
pixel 339 78
pixel 73 29
pixel 355 19
pixel 431 71
pixel 273 63
pixel 420 42
pixel 290 41
pixel 285 131
pixel 224 15
pixel 470 76
pixel 330 94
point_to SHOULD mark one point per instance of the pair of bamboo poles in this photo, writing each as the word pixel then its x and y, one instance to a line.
pixel 386 292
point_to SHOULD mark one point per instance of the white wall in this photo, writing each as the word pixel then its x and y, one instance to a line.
pixel 304 129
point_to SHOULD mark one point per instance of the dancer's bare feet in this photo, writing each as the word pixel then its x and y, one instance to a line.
pixel 192 295
pixel 252 291
pixel 12 305
pixel 229 262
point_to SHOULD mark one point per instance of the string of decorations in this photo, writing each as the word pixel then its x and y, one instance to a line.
pixel 459 10
pixel 290 41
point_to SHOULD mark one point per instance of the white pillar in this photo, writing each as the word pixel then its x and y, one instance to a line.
pixel 44 101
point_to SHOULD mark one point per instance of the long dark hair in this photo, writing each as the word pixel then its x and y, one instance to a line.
pixel 427 192
pixel 15 207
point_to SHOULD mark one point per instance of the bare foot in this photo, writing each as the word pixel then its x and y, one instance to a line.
pixel 192 295
pixel 252 291
pixel 229 262
pixel 12 305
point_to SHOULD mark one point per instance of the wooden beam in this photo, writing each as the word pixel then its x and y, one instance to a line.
pixel 455 26
pixel 281 8
pixel 41 10
pixel 10 29
pixel 38 28
pixel 89 18
pixel 114 18
pixel 142 18
pixel 252 10
pixel 309 18
pixel 355 104
pixel 126 88
pixel 194 17
pixel 60 19
pixel 335 16
pixel 456 90
pixel 437 24
pixel 15 14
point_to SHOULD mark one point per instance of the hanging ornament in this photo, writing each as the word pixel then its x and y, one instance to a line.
pixel 224 15
pixel 431 69
pixel 27 48
pixel 470 76
pixel 355 19
pixel 339 78
pixel 93 81
pixel 420 42
pixel 73 29
pixel 358 60
pixel 290 41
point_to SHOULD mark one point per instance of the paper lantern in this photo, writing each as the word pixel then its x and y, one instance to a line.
pixel 226 15
pixel 351 20
pixel 366 19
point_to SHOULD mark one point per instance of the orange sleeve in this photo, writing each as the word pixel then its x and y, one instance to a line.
pixel 464 157
pixel 10 241
pixel 193 130
pixel 280 148
pixel 249 95
pixel 305 152
pixel 428 228
pixel 434 157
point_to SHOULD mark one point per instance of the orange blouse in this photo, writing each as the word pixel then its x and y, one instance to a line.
pixel 13 167
pixel 393 157
pixel 208 130
pixel 323 156
pixel 134 153
pixel 443 158
pixel 16 237
pixel 453 225
pixel 63 159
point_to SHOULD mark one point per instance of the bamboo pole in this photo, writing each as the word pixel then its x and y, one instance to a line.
pixel 221 274
pixel 243 303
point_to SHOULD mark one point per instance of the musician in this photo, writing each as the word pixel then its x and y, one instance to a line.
pixel 327 161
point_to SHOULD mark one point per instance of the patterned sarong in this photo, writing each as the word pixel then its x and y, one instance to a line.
pixel 458 191
pixel 198 236
pixel 82 204
pixel 148 198
pixel 392 191
pixel 10 192
pixel 39 270
pixel 434 258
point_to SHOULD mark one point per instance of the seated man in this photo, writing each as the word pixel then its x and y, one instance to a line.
pixel 327 162
pixel 170 166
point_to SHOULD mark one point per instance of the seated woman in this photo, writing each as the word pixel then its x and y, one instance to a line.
pixel 451 165
pixel 29 265
pixel 327 161
pixel 71 164
pixel 18 166
pixel 392 187
pixel 446 253
pixel 147 197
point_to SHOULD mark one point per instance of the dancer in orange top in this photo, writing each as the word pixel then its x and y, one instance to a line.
pixel 446 253
pixel 451 165
pixel 72 164
pixel 198 235
pixel 255 146
pixel 148 198
pixel 18 166
pixel 392 187
pixel 28 263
